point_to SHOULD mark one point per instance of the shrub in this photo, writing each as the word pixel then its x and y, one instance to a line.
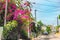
pixel 10 28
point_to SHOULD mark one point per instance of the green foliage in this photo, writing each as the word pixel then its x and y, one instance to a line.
pixel 24 34
pixel 9 27
pixel 48 29
pixel 36 31
pixel 57 28
pixel 59 16
pixel 40 23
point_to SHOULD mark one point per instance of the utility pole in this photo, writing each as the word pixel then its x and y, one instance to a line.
pixel 57 21
pixel 35 15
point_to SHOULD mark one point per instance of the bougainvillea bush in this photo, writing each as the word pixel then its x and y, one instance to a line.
pixel 18 19
pixel 11 8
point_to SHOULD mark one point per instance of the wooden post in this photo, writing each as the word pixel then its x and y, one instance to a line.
pixel 5 12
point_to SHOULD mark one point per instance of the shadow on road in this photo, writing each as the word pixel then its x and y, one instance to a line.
pixel 46 39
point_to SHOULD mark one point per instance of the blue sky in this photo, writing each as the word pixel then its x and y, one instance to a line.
pixel 47 10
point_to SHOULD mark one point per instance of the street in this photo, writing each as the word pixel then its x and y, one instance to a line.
pixel 47 37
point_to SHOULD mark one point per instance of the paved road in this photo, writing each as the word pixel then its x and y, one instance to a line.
pixel 47 37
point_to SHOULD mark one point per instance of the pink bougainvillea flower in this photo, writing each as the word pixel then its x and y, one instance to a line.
pixel 22 12
pixel 15 14
pixel 9 10
pixel 4 6
pixel 13 6
pixel 18 12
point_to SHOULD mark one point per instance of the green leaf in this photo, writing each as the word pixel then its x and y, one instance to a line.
pixel 59 16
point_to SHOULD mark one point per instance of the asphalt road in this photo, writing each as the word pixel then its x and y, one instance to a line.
pixel 47 37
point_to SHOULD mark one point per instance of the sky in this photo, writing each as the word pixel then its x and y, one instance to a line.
pixel 47 10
